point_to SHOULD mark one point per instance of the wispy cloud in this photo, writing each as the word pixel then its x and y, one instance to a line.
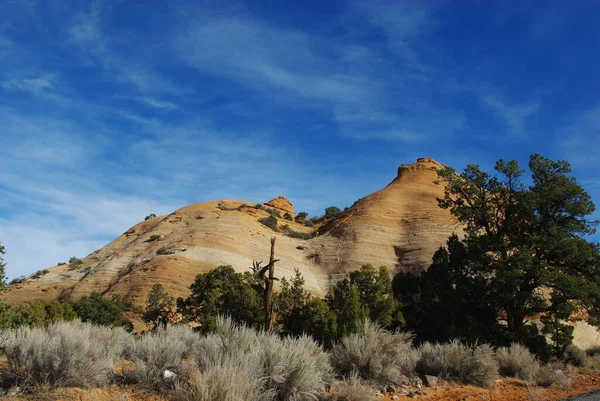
pixel 34 85
pixel 157 104
pixel 514 115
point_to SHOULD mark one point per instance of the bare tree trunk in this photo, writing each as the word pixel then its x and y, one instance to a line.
pixel 269 289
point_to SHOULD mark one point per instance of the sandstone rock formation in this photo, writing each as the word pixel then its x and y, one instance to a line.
pixel 399 226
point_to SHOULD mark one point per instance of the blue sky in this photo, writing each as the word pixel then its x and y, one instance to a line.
pixel 111 110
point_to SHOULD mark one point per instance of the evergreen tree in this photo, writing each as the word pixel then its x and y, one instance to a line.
pixel 524 252
pixel 289 304
pixel 344 300
pixel 222 291
pixel 160 308
pixel 375 291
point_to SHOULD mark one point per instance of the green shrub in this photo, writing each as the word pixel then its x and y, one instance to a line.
pixel 75 263
pixel 39 274
pixel 61 264
pixel 18 280
pixel 517 361
pixel 376 355
pixel 332 211
pixel 150 216
pixel 38 314
pixel 458 362
pixel 309 223
pixel 301 217
pixel 272 212
pixel 99 310
pixel 270 222
pixel 259 206
pixel 154 237
pixel 287 216
pixel 222 291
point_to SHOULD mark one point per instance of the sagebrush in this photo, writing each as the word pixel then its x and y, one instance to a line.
pixel 376 355
pixel 458 362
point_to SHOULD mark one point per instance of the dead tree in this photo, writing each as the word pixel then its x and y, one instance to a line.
pixel 266 290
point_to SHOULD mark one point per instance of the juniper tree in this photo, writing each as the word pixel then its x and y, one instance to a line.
pixel 526 244
pixel 524 254
pixel 160 307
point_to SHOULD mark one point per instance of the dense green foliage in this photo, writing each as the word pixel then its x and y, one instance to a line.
pixel 332 211
pixel 34 314
pixel 222 291
pixel 99 310
pixel 160 308
pixel 301 216
pixel 366 293
pixel 375 293
pixel 524 254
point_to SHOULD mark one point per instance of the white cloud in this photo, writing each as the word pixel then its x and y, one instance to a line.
pixel 34 85
pixel 157 104
pixel 257 54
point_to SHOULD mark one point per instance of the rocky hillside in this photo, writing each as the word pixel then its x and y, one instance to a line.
pixel 399 226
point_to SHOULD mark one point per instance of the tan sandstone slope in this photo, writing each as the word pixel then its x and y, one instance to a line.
pixel 399 226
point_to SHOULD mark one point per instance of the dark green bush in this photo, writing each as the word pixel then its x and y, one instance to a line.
pixel 272 212
pixel 270 222
pixel 332 211
pixel 301 217
pixel 99 310
pixel 287 216
pixel 222 291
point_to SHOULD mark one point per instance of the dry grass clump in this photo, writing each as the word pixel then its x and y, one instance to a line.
pixel 351 390
pixel 232 379
pixel 458 362
pixel 153 354
pixel 552 373
pixel 517 361
pixel 64 354
pixel 575 356
pixel 238 363
pixel 376 355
